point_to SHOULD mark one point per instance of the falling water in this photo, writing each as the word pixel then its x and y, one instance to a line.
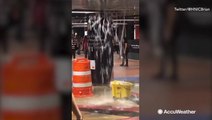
pixel 101 33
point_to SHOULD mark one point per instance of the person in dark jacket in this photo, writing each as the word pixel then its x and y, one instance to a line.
pixel 170 33
pixel 40 21
pixel 16 18
pixel 85 46
pixel 74 46
pixel 125 53
pixel 3 41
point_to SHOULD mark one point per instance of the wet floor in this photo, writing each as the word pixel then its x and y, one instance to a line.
pixel 102 105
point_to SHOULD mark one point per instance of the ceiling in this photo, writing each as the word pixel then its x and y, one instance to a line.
pixel 131 7
pixel 116 9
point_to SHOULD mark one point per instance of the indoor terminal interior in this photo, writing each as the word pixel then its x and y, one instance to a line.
pixel 102 60
pixel 105 37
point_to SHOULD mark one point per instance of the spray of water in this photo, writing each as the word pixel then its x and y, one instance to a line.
pixel 104 32
pixel 107 100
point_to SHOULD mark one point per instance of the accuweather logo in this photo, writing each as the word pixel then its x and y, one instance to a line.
pixel 173 112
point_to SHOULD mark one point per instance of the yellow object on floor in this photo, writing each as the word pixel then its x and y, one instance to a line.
pixel 121 89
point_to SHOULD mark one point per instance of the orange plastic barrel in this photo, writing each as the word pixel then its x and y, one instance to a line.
pixel 28 90
pixel 81 80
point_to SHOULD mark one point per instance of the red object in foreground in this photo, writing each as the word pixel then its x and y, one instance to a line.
pixel 28 90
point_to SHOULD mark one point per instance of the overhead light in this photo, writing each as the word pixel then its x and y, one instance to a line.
pixel 79 23
pixel 120 23
pixel 79 26
pixel 84 12
pixel 125 20
pixel 74 25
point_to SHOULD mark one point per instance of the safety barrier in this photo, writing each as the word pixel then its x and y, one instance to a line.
pixel 81 80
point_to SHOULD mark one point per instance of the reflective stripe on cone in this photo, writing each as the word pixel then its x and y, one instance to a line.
pixel 19 103
pixel 89 84
pixel 81 73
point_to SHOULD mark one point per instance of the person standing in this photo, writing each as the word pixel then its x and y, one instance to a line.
pixel 16 18
pixel 79 42
pixel 85 46
pixel 125 53
pixel 170 33
pixel 3 41
pixel 40 21
pixel 3 27
pixel 74 46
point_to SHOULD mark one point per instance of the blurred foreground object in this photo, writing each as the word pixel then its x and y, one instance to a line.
pixel 168 42
pixel 28 91
pixel 75 109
